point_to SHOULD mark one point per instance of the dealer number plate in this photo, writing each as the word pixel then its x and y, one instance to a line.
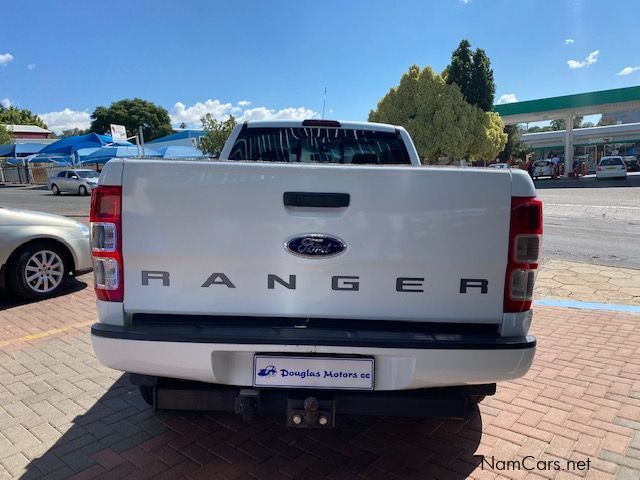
pixel 313 372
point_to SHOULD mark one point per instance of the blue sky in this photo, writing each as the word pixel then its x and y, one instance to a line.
pixel 64 58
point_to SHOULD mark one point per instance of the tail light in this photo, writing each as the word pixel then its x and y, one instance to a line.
pixel 106 242
pixel 599 169
pixel 525 236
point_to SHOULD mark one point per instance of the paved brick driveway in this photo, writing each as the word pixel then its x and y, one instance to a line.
pixel 61 414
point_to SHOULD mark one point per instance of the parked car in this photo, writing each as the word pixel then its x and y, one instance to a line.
pixel 80 181
pixel 611 167
pixel 40 251
pixel 631 163
pixel 298 272
pixel 542 168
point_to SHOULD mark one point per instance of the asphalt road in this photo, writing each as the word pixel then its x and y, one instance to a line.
pixel 592 222
pixel 584 220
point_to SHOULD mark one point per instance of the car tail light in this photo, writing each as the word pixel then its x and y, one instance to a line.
pixel 106 242
pixel 525 236
pixel 599 169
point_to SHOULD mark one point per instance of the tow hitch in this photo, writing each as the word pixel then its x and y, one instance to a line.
pixel 311 408
pixel 310 413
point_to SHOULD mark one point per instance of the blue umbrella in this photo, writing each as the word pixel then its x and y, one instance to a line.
pixel 180 151
pixel 15 149
pixel 118 152
pixel 70 145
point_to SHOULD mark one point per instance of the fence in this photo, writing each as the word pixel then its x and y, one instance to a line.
pixel 35 173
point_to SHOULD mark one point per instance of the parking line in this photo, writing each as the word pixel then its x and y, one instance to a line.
pixel 614 307
pixel 46 333
pixel 591 206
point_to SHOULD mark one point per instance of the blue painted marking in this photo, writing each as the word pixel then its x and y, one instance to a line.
pixel 588 305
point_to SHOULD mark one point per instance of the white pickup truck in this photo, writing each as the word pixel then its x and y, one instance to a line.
pixel 315 269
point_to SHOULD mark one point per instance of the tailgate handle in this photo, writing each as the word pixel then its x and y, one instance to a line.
pixel 316 200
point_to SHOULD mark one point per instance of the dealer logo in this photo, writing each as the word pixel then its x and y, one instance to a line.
pixel 268 371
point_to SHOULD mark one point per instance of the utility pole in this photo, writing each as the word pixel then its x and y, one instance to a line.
pixel 141 136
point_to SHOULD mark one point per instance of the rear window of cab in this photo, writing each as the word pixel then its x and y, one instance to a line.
pixel 320 145
pixel 607 162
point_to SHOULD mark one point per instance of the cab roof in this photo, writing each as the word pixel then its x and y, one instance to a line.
pixel 378 127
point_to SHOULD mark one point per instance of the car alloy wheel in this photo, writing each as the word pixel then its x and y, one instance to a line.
pixel 55 189
pixel 44 271
pixel 82 190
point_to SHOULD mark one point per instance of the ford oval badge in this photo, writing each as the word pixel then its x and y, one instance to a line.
pixel 315 245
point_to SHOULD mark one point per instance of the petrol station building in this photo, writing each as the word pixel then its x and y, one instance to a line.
pixel 590 144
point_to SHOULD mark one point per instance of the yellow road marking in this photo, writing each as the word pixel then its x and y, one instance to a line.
pixel 46 333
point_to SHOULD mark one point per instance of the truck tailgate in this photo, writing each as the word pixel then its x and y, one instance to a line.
pixel 190 220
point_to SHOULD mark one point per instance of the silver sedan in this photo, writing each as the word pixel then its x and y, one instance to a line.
pixel 80 181
pixel 39 252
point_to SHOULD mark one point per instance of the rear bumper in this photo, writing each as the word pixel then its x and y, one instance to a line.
pixel 611 174
pixel 403 359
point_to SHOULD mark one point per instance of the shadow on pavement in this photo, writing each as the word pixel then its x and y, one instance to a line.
pixel 591 182
pixel 7 300
pixel 121 437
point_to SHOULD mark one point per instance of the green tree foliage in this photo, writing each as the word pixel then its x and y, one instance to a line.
pixel 216 133
pixel 72 132
pixel 604 121
pixel 561 125
pixel 471 71
pixel 19 116
pixel 133 113
pixel 440 121
pixel 514 148
pixel 5 136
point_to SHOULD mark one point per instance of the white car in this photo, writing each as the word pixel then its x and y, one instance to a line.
pixel 542 168
pixel 40 251
pixel 611 167
pixel 80 181
pixel 304 270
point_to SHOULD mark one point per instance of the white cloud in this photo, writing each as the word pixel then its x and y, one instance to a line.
pixel 592 57
pixel 466 2
pixel 5 58
pixel 507 98
pixel 568 41
pixel 627 70
pixel 31 66
pixel 66 119
pixel 264 113
pixel 6 103
pixel 589 60
pixel 192 114
pixel 575 64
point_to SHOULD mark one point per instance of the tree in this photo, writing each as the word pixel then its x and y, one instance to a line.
pixel 216 133
pixel 5 136
pixel 72 132
pixel 440 121
pixel 561 125
pixel 604 121
pixel 19 116
pixel 460 68
pixel 514 148
pixel 133 113
pixel 471 71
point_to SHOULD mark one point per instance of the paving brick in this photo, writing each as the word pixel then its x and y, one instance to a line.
pixel 60 411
